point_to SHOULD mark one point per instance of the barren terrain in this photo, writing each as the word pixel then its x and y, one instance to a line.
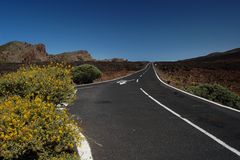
pixel 110 70
pixel 221 68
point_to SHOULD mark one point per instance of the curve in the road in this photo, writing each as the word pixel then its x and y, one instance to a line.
pixel 129 125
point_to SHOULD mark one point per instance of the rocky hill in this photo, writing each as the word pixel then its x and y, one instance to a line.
pixel 22 52
pixel 18 52
pixel 231 55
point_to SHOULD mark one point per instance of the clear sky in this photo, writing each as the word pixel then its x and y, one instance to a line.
pixel 133 29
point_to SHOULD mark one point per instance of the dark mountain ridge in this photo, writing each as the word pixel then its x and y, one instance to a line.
pixel 230 56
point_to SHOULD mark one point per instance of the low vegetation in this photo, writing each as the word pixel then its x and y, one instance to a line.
pixel 31 126
pixel 221 68
pixel 216 93
pixel 111 70
pixel 34 126
pixel 85 73
pixel 218 68
pixel 52 83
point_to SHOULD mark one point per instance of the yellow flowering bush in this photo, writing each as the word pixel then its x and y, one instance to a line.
pixel 53 83
pixel 36 128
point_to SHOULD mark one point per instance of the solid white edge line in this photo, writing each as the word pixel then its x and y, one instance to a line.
pixel 83 147
pixel 84 150
pixel 111 80
pixel 195 126
pixel 221 105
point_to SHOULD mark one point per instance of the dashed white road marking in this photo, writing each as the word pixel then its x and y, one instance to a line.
pixel 131 80
pixel 122 82
pixel 195 126
pixel 137 80
pixel 100 145
pixel 111 80
pixel 140 75
pixel 146 70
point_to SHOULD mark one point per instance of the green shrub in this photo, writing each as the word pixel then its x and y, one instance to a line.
pixel 53 83
pixel 85 73
pixel 216 93
pixel 32 127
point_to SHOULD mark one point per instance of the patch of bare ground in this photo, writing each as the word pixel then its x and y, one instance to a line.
pixel 182 77
pixel 110 70
pixel 108 75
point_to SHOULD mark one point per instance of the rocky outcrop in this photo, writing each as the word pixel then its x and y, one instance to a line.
pixel 74 56
pixel 22 52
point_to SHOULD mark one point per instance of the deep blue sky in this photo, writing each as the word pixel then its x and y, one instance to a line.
pixel 137 30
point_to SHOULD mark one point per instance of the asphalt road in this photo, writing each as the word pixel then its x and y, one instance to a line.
pixel 121 122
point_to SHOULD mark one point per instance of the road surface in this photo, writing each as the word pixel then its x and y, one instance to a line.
pixel 140 118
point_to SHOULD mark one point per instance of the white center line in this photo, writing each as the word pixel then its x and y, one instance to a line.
pixel 195 126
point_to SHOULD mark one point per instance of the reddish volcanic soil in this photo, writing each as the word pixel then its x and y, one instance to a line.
pixel 110 70
pixel 221 68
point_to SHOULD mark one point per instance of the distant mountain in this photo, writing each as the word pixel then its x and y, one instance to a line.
pixel 23 52
pixel 227 56
pixel 115 60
